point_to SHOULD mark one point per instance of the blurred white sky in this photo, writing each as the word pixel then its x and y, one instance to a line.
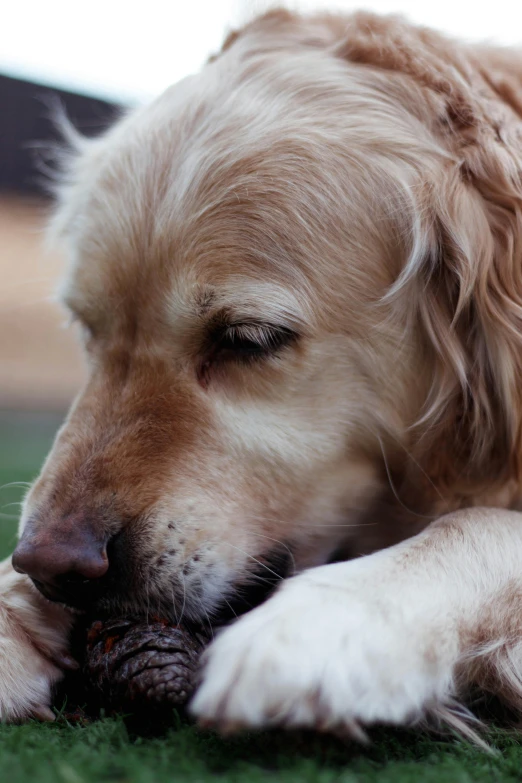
pixel 132 49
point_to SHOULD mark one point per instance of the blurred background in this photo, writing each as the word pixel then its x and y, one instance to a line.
pixel 95 59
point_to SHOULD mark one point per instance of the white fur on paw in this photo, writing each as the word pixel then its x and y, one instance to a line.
pixel 26 679
pixel 317 655
pixel 33 649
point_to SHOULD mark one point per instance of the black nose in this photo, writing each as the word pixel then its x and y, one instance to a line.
pixel 66 564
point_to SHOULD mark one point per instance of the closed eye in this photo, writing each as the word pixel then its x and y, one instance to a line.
pixel 246 343
pixel 249 341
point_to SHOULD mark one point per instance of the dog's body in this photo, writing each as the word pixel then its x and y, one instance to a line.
pixel 299 275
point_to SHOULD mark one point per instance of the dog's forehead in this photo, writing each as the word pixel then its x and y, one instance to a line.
pixel 224 178
pixel 185 192
pixel 238 137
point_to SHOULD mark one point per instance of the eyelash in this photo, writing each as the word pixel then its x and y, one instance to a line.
pixel 253 341
pixel 246 343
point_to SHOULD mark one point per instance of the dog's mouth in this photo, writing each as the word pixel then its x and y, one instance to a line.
pixel 105 599
pixel 72 592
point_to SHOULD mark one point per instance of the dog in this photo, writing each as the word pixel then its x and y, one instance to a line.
pixel 298 281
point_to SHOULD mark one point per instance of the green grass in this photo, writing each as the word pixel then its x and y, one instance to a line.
pixel 106 751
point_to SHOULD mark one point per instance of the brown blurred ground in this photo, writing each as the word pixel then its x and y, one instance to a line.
pixel 40 362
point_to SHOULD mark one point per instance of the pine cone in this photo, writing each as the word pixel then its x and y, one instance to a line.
pixel 132 663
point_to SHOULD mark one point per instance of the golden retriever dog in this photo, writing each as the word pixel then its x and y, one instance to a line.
pixel 299 280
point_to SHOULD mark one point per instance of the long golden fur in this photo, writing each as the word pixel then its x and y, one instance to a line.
pixel 298 275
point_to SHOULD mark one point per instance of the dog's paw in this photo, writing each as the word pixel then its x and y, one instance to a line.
pixel 328 657
pixel 33 650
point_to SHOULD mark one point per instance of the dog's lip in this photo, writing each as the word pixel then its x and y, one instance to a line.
pixel 248 593
pixel 77 600
pixel 51 593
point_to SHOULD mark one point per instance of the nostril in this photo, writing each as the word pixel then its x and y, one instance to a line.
pixel 17 563
pixel 89 565
pixel 24 559
pixel 44 559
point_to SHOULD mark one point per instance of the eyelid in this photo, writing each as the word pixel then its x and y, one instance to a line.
pixel 257 333
pixel 265 340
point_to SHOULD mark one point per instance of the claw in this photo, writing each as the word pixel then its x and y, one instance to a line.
pixel 230 727
pixel 356 732
pixel 64 661
pixel 206 723
pixel 350 729
pixel 44 713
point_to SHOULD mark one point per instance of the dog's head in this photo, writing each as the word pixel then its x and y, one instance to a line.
pixel 283 273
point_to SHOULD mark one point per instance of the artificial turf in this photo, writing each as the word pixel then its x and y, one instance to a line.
pixel 107 750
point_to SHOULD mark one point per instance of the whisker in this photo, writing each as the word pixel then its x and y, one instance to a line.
pixel 147 611
pixel 259 562
pixel 230 607
pixel 23 484
pixel 362 509
pixel 417 464
pixel 184 597
pixel 210 628
pixel 174 603
pixel 390 481
pixel 257 578
pixel 356 524
pixel 281 543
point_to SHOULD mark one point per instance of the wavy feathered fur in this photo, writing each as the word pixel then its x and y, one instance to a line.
pixel 300 279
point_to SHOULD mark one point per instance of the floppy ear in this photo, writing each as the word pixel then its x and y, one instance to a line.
pixel 465 293
pixel 463 282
